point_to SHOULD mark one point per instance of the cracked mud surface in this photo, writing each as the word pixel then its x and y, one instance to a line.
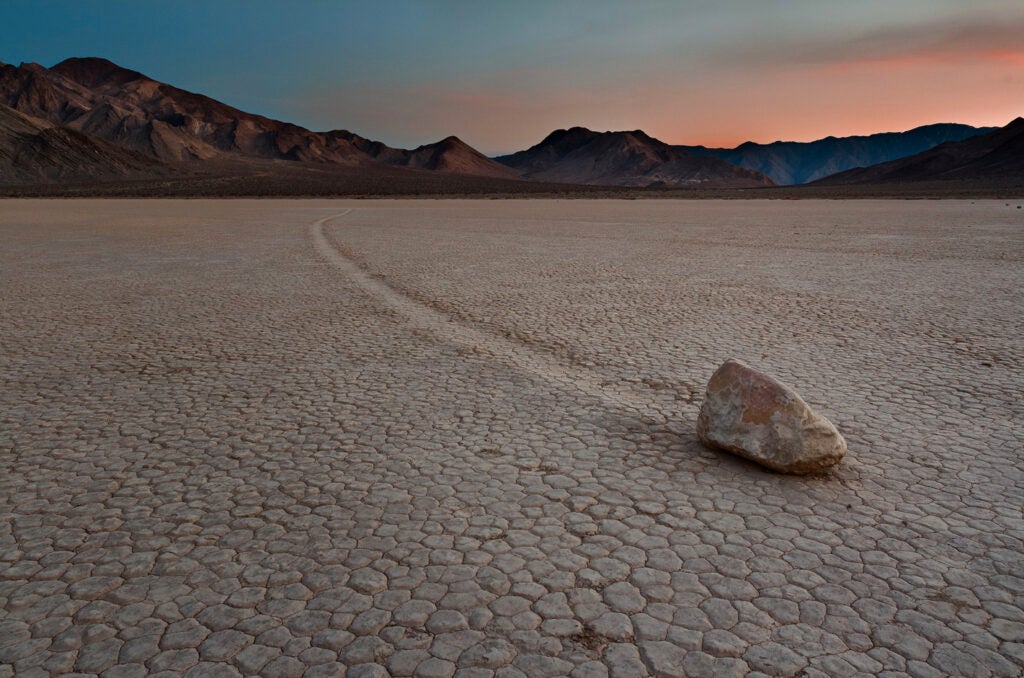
pixel 425 438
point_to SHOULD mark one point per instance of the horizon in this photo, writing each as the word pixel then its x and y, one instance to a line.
pixel 562 128
pixel 590 65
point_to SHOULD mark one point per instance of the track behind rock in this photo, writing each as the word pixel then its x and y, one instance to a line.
pixel 445 328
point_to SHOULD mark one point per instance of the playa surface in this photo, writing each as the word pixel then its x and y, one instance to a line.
pixel 441 438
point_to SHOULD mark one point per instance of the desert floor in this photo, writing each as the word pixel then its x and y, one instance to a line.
pixel 426 438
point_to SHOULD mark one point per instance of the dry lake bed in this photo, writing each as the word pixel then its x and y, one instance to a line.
pixel 436 438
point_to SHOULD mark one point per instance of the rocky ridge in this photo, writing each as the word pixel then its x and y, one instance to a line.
pixel 582 156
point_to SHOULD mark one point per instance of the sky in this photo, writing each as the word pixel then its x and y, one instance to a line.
pixel 502 75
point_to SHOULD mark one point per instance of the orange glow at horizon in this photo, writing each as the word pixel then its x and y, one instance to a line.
pixel 766 91
pixel 798 102
pixel 937 57
pixel 855 98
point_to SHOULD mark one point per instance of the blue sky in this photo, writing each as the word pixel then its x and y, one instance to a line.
pixel 501 75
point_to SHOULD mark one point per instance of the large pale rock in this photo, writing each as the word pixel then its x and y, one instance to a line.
pixel 755 416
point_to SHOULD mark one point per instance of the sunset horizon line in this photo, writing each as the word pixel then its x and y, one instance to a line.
pixel 671 138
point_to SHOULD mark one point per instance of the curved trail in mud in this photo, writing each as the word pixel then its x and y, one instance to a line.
pixel 460 333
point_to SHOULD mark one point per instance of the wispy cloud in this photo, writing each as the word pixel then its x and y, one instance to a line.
pixel 997 39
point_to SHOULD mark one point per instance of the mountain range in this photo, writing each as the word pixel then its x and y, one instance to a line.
pixel 126 108
pixel 88 120
pixel 995 156
pixel 794 162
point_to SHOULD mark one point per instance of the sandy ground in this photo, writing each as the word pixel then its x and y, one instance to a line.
pixel 440 438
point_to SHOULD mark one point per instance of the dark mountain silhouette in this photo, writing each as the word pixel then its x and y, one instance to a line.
pixel 448 155
pixel 792 162
pixel 32 150
pixel 582 156
pixel 994 157
pixel 129 109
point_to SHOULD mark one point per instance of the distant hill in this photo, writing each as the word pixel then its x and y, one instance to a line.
pixel 792 162
pixel 994 157
pixel 127 108
pixel 582 156
pixel 448 155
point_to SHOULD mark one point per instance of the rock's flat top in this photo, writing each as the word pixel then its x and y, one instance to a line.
pixel 754 415
pixel 224 447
